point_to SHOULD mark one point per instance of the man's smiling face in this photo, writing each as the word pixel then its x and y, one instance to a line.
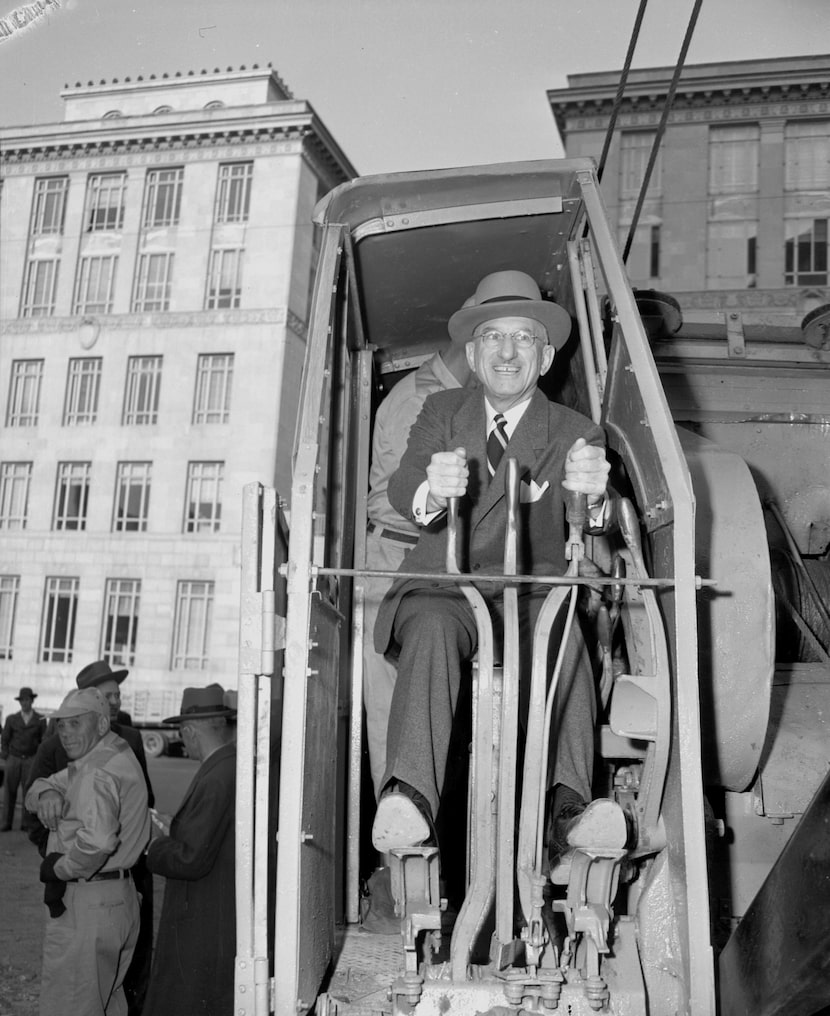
pixel 509 371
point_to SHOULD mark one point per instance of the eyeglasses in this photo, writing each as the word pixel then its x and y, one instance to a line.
pixel 493 338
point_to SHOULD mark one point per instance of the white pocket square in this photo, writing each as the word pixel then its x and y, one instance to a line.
pixel 530 492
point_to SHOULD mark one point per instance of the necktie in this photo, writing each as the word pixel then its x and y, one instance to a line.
pixel 496 443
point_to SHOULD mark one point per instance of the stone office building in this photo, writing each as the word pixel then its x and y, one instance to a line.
pixel 157 260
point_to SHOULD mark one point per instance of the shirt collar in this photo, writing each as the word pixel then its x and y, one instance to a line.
pixel 511 416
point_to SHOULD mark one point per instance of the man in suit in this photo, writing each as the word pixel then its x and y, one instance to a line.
pixel 22 734
pixel 511 337
pixel 51 758
pixel 196 947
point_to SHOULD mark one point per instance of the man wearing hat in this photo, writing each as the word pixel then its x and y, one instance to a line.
pixel 458 447
pixel 194 958
pixel 51 758
pixel 99 823
pixel 22 733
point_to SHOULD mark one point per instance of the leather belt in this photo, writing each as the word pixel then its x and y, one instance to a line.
pixel 104 876
pixel 391 534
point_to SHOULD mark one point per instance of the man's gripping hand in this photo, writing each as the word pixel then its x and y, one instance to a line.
pixel 586 470
pixel 50 808
pixel 447 476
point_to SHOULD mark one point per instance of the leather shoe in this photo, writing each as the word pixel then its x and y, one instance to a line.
pixel 600 825
pixel 403 819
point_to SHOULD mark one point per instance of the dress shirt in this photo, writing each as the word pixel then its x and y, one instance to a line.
pixel 393 421
pixel 106 822
pixel 21 737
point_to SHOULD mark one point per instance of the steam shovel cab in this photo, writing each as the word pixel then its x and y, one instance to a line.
pixel 399 254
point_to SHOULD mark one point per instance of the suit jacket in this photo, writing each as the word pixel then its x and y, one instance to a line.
pixel 540 443
pixel 195 951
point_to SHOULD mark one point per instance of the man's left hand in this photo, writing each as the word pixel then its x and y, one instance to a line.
pixel 586 469
pixel 50 808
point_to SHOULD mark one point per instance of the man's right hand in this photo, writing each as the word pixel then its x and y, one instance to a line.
pixel 447 476
pixel 50 808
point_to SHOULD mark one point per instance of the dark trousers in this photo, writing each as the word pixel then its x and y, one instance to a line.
pixel 16 777
pixel 436 632
pixel 138 973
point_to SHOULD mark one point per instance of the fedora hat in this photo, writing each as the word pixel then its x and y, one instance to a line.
pixel 96 673
pixel 509 294
pixel 201 704
pixel 26 693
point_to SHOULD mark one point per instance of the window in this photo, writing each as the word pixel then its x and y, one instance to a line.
pixel 734 159
pixel 152 284
pixel 731 250
pixel 9 588
pixel 105 202
pixel 807 148
pixel 49 205
pixel 72 495
pixel 194 609
pixel 224 279
pixel 95 285
pixel 15 478
pixel 120 630
pixel 204 497
pixel 39 288
pixel 162 197
pixel 24 393
pixel 141 396
pixel 233 193
pixel 643 264
pixel 805 252
pixel 132 497
pixel 83 383
pixel 214 373
pixel 60 606
pixel 635 151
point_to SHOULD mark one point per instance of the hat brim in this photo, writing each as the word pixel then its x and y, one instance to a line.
pixel 556 319
pixel 227 713
pixel 33 696
pixel 116 675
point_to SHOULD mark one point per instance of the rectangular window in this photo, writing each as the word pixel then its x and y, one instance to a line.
pixel 807 155
pixel 734 159
pixel 141 396
pixel 83 384
pixel 204 497
pixel 635 151
pixel 191 632
pixel 72 495
pixel 9 588
pixel 730 254
pixel 162 197
pixel 214 374
pixel 15 479
pixel 24 393
pixel 95 285
pixel 224 279
pixel 233 192
pixel 58 633
pixel 105 202
pixel 152 284
pixel 643 264
pixel 120 631
pixel 805 252
pixel 49 206
pixel 39 288
pixel 132 497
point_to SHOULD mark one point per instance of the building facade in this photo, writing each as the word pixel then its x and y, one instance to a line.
pixel 737 210
pixel 157 262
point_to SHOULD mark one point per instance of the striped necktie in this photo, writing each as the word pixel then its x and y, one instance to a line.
pixel 496 443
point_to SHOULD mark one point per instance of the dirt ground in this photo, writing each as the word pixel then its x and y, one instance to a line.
pixel 22 917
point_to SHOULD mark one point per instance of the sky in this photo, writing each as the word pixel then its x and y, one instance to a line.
pixel 400 84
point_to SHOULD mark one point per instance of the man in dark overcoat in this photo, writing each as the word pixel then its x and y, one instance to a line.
pixel 458 447
pixel 196 946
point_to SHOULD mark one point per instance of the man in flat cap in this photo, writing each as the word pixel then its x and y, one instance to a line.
pixel 22 733
pixel 194 957
pixel 99 823
pixel 51 758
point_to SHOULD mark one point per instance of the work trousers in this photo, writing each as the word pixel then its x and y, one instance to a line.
pixel 436 631
pixel 16 777
pixel 87 950
pixel 379 674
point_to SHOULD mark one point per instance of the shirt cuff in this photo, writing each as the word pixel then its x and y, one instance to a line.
pixel 419 506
